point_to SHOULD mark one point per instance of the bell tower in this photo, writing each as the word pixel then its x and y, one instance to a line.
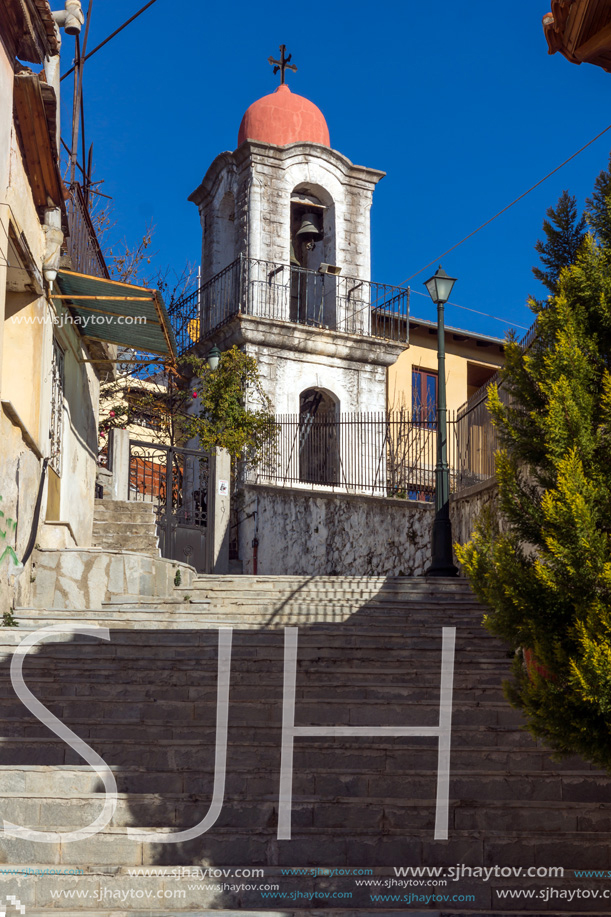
pixel 286 260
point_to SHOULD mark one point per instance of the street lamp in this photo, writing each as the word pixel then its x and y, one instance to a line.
pixel 440 287
pixel 214 357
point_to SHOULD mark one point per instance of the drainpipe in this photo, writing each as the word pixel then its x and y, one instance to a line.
pixel 34 532
pixel 255 542
pixel 71 18
pixel 54 238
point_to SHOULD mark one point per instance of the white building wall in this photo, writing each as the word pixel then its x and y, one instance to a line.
pixel 261 178
pixel 285 375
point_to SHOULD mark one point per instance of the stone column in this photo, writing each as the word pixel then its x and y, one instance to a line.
pixel 120 465
pixel 217 532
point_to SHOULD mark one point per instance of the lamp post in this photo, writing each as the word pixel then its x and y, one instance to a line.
pixel 439 287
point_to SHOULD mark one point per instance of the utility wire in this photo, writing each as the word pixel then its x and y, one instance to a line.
pixel 505 209
pixel 487 223
pixel 106 40
pixel 467 309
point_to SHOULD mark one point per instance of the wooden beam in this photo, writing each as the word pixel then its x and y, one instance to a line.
pixel 103 298
pixel 601 41
pixel 137 362
pixel 39 151
pixel 118 283
pixel 158 353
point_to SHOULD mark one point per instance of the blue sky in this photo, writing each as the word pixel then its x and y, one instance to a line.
pixel 459 104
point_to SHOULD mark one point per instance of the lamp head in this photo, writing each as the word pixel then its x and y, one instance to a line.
pixel 440 286
pixel 214 358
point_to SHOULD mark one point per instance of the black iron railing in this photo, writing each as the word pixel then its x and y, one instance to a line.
pixel 389 455
pixel 268 290
pixel 82 244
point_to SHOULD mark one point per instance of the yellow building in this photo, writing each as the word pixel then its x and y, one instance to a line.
pixel 61 316
pixel 471 360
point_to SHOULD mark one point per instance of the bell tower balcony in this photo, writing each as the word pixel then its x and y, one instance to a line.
pixel 321 301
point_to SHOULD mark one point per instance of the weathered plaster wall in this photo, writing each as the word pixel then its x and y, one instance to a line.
pixel 26 379
pixel 19 479
pixel 80 440
pixel 251 189
pixel 6 120
pixel 77 579
pixel 306 533
pixel 21 361
pixel 285 374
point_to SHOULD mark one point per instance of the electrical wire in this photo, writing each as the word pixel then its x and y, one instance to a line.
pixel 487 223
pixel 505 209
pixel 477 312
pixel 106 40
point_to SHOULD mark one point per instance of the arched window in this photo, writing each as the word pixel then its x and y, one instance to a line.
pixel 319 446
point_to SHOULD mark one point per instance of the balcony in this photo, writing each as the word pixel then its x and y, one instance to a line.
pixel 286 293
pixel 82 246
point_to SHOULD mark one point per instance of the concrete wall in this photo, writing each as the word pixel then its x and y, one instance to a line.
pixel 306 533
pixel 76 579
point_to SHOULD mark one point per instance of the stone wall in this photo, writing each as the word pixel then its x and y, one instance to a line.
pixel 466 507
pixel 301 532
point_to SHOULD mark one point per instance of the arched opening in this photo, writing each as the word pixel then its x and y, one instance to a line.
pixel 319 446
pixel 312 228
pixel 226 234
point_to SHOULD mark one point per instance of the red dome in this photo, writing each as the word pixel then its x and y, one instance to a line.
pixel 282 118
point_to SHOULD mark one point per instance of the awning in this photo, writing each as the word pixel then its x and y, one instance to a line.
pixel 117 313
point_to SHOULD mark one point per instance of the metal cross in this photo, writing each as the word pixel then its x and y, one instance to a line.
pixel 282 64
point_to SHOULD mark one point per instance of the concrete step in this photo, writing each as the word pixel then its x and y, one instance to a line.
pixel 368 655
pixel 138 529
pixel 131 507
pixel 310 811
pixel 145 544
pixel 317 846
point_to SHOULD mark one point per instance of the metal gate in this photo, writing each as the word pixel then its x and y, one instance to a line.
pixel 175 481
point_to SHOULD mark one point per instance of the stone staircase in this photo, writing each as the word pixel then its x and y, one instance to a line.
pixel 125 525
pixel 369 654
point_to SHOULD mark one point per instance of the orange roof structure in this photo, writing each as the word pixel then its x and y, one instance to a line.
pixel 284 117
pixel 581 31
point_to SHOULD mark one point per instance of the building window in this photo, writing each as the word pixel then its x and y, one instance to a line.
pixel 57 409
pixel 424 397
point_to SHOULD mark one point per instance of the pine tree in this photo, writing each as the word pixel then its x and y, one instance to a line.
pixel 542 564
pixel 598 206
pixel 565 232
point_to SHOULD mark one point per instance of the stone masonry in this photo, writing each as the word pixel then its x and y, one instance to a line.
pixel 306 532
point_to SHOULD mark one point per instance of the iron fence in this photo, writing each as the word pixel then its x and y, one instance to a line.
pixel 389 455
pixel 82 243
pixel 287 293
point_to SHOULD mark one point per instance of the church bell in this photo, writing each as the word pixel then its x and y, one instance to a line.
pixel 310 229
